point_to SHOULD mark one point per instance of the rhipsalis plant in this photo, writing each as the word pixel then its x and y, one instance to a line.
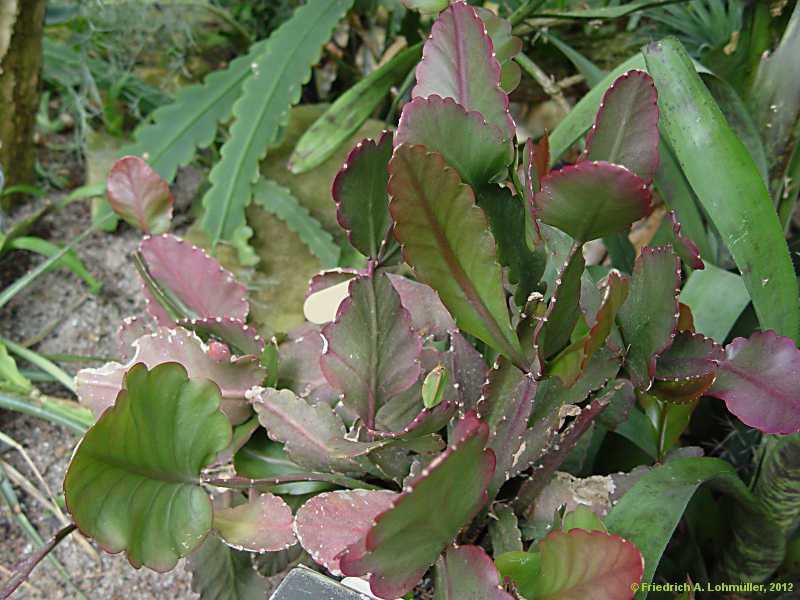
pixel 416 424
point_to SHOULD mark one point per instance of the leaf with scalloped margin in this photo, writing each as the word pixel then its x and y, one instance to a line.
pixel 221 573
pixel 329 523
pixel 468 573
pixel 372 353
pixel 197 280
pixel 362 201
pixel 506 46
pixel 407 538
pixel 97 389
pixel 591 200
pixel 759 379
pixel 139 195
pixel 262 111
pixel 134 480
pixel 690 355
pixel 264 523
pixel 242 338
pixel 473 147
pixel 446 238
pixel 588 564
pixel 468 370
pixel 625 130
pixel 458 62
pixel 649 318
pixel 429 317
pixel 684 246
pixel 305 430
pixel 298 365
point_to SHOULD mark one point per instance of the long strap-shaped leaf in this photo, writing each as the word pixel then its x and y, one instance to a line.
pixel 446 238
pixel 727 183
pixel 263 109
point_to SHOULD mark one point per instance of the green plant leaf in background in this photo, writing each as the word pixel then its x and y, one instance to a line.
pixel 10 378
pixel 715 314
pixel 69 260
pixel 262 111
pixel 728 185
pixel 220 572
pixel 134 481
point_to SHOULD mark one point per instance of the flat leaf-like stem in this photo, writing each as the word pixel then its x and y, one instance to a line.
pixel 407 538
pixel 134 481
pixel 139 195
pixel 446 238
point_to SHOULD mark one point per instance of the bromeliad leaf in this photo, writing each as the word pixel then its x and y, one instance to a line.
pixel 397 555
pixel 474 148
pixel 305 430
pixel 362 200
pixel 625 131
pixel 262 111
pixel 649 317
pixel 329 523
pixel 199 284
pixel 264 523
pixel 458 62
pixel 758 379
pixel 468 573
pixel 134 481
pixel 372 352
pixel 139 195
pixel 446 239
pixel 590 200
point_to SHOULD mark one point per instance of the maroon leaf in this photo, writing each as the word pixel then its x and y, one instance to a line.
pixel 682 391
pixel 372 353
pixel 458 62
pixel 468 371
pixel 474 148
pixel 429 317
pixel 264 523
pixel 649 317
pixel 305 430
pixel 330 277
pixel 130 330
pixel 625 130
pixel 446 238
pixel 407 539
pixel 690 355
pixel 468 573
pixel 506 47
pixel 197 280
pixel 359 190
pixel 759 379
pixel 541 156
pixel 298 365
pixel 590 200
pixel 329 523
pixel 684 246
pixel 139 195
pixel 588 564
pixel 234 332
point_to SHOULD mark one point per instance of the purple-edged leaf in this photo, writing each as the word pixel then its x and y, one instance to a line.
pixel 97 389
pixel 139 195
pixel 195 279
pixel 329 523
pixel 649 317
pixel 474 148
pixel 684 246
pixel 242 338
pixel 541 156
pixel 359 190
pixel 554 330
pixel 620 397
pixel 468 573
pixel 445 237
pixel 506 405
pixel 468 370
pixel 429 317
pixel 690 355
pixel 506 47
pixel 759 380
pixel 298 365
pixel 625 130
pixel 264 523
pixel 458 62
pixel 130 330
pixel 134 480
pixel 590 200
pixel 588 564
pixel 304 429
pixel 397 555
pixel 682 391
pixel 330 277
pixel 372 353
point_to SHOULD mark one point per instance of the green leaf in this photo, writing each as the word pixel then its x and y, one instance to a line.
pixel 468 573
pixel 349 111
pixel 10 377
pixel 648 513
pixel 222 573
pixel 738 203
pixel 504 530
pixel 139 195
pixel 446 239
pixel 280 201
pixel 262 111
pixel 69 260
pixel 262 524
pixel 604 12
pixel 134 481
pixel 524 568
pixel 582 518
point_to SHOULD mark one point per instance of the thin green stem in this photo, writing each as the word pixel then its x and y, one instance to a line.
pixel 74 418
